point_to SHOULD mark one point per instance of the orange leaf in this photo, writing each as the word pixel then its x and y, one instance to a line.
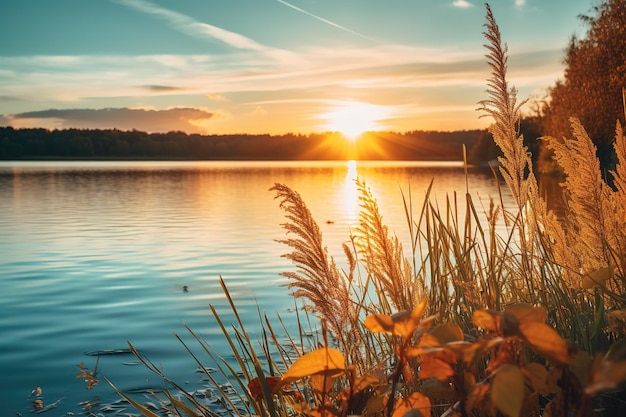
pixel 255 385
pixel 580 365
pixel 507 390
pixel 437 365
pixel 477 396
pixel 447 332
pixel 428 340
pixel 416 401
pixel 538 376
pixel 366 381
pixel 411 352
pixel 403 323
pixel 321 383
pixel 544 340
pixel 486 319
pixel 326 361
pixel 525 312
pixel 379 323
pixel 468 352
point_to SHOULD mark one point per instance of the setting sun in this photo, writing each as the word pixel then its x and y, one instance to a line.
pixel 354 118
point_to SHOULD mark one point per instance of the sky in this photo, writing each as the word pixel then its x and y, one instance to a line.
pixel 270 66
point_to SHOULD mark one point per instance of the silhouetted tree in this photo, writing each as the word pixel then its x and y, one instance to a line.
pixel 484 151
pixel 594 77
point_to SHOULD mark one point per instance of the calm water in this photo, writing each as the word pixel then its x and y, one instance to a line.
pixel 95 254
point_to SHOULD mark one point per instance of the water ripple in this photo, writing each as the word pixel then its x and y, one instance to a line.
pixel 93 255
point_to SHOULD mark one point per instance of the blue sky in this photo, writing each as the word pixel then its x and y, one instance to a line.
pixel 269 66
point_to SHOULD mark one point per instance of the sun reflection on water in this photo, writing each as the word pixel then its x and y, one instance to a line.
pixel 350 194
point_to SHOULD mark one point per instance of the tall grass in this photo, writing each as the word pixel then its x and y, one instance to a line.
pixel 472 321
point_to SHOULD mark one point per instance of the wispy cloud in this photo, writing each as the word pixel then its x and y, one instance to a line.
pixel 162 88
pixel 520 3
pixel 91 76
pixel 462 4
pixel 190 26
pixel 216 97
pixel 123 118
pixel 321 19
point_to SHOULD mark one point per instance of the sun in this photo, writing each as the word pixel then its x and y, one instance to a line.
pixel 353 118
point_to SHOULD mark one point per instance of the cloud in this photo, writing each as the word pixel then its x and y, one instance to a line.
pixel 4 121
pixel 259 111
pixel 162 88
pixel 216 97
pixel 192 27
pixel 462 4
pixel 180 118
pixel 378 74
pixel 110 81
pixel 520 3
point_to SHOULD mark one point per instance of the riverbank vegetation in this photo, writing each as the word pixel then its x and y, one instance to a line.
pixel 465 321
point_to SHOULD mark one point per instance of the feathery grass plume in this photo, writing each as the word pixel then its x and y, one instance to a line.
pixel 502 105
pixel 516 163
pixel 596 216
pixel 589 198
pixel 619 175
pixel 619 181
pixel 318 278
pixel 383 256
pixel 532 219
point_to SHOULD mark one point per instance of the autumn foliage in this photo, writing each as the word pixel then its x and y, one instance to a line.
pixel 518 366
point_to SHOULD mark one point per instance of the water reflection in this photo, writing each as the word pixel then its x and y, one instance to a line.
pixel 113 243
pixel 350 195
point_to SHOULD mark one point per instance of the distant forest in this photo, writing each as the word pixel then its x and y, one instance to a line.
pixel 116 144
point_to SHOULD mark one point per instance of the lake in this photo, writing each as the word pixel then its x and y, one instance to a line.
pixel 95 254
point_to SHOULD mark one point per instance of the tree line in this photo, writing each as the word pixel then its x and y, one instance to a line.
pixel 39 143
pixel 592 89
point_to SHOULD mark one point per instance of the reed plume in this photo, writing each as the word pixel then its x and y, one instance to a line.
pixel 390 271
pixel 588 196
pixel 595 212
pixel 317 279
pixel 619 181
pixel 502 105
pixel 532 220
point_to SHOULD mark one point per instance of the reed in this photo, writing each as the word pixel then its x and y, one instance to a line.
pixel 467 321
